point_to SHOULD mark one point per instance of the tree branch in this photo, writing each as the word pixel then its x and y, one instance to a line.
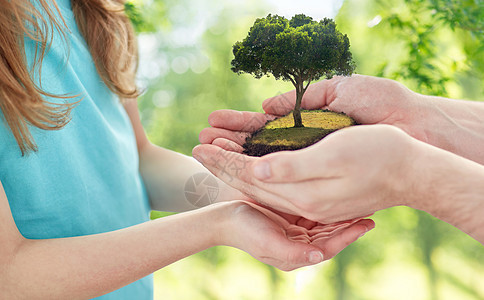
pixel 307 85
pixel 291 79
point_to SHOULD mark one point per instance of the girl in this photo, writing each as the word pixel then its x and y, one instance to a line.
pixel 78 175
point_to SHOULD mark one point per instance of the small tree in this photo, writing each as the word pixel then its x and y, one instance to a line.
pixel 299 50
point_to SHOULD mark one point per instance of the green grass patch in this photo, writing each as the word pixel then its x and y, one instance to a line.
pixel 281 135
pixel 314 119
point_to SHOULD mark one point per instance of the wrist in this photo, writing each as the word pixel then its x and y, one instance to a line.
pixel 450 188
pixel 233 223
pixel 222 218
pixel 228 193
pixel 419 115
pixel 452 125
pixel 205 227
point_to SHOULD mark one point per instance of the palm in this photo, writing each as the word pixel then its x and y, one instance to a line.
pixel 276 229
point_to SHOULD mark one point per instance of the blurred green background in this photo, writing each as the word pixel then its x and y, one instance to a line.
pixel 433 47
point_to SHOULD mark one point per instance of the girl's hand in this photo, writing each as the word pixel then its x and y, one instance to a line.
pixel 287 242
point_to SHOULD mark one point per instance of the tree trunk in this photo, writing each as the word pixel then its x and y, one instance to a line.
pixel 297 109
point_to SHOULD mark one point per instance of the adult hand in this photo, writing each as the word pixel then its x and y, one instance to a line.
pixel 351 173
pixel 356 171
pixel 288 242
pixel 367 99
pixel 452 125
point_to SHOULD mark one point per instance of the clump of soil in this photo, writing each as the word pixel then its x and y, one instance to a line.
pixel 280 134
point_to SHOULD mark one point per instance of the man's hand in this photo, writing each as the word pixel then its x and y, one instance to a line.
pixel 369 100
pixel 452 125
pixel 356 171
pixel 351 173
pixel 425 177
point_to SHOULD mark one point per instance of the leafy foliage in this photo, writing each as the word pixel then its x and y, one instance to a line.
pixel 297 50
pixel 467 15
pixel 430 45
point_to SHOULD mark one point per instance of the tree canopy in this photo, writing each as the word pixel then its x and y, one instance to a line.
pixel 299 49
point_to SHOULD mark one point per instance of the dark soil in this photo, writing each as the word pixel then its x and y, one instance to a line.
pixel 279 135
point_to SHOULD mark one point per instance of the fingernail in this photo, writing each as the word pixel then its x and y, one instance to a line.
pixel 316 257
pixel 261 170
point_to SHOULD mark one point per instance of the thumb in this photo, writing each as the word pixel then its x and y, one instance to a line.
pixel 281 104
pixel 293 166
pixel 296 255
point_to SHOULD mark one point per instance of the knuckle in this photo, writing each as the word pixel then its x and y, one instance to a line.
pixel 282 165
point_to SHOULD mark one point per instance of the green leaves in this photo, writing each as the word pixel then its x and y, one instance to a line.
pixel 297 50
pixel 432 46
pixel 300 20
pixel 467 15
pixel 251 55
pixel 146 18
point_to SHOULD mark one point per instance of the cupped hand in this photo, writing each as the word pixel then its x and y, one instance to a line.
pixel 289 242
pixel 367 99
pixel 351 173
pixel 230 128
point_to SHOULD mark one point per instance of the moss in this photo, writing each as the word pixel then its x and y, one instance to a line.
pixel 280 135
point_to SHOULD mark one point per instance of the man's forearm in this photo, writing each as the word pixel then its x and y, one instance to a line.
pixel 450 188
pixel 168 177
pixel 454 125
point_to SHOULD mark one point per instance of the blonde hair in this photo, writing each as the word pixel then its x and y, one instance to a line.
pixel 112 43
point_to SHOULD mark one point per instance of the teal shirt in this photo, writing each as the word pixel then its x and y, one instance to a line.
pixel 84 178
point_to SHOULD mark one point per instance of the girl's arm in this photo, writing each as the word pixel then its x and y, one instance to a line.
pixel 165 172
pixel 89 266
